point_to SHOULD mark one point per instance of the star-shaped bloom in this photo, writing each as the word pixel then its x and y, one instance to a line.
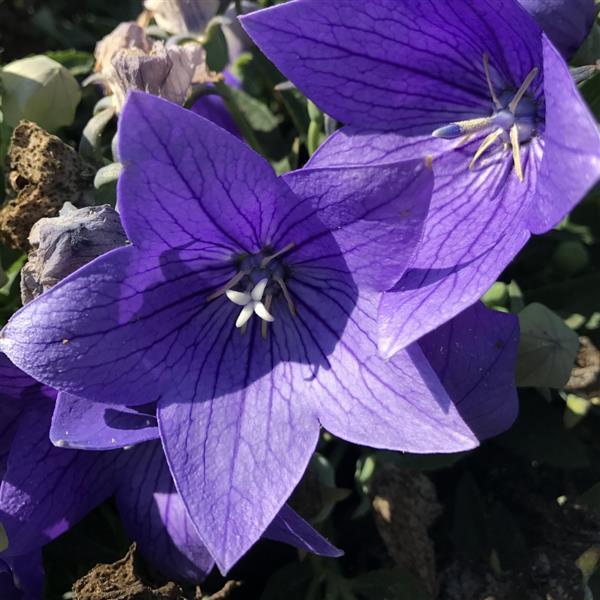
pixel 475 85
pixel 240 408
pixel 45 488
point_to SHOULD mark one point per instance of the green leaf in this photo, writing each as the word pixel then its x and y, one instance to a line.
pixel 76 61
pixel 539 435
pixel 90 145
pixel 296 107
pixel 591 498
pixel 389 584
pixel 515 295
pixel 469 532
pixel 314 137
pixel 295 578
pixel 256 113
pixel 547 349
pixel 497 295
pixel 589 52
pixel 506 537
pixel 420 462
pixel 590 90
pixel 10 292
pixel 248 72
pixel 215 44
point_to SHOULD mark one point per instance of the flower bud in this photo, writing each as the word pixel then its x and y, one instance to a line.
pixel 40 90
pixel 60 245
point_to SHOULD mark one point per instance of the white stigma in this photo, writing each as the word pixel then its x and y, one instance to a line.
pixel 251 303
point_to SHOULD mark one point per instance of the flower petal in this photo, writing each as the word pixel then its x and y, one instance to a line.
pixel 403 66
pixel 397 404
pixel 290 528
pixel 110 331
pixel 237 457
pixel 426 298
pixel 474 227
pixel 155 515
pixel 474 356
pixel 375 214
pixel 45 490
pixel 80 423
pixel 565 22
pixel 187 183
pixel 18 393
pixel 571 161
pixel 24 579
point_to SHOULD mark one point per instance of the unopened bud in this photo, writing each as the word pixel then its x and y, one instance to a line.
pixel 41 90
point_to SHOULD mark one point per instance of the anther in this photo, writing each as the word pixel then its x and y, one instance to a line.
pixel 460 128
pixel 263 325
pixel 514 103
pixel 489 140
pixel 516 150
pixel 488 78
pixel 265 261
pixel 287 296
pixel 233 281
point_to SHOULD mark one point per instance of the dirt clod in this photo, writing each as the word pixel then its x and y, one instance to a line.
pixel 585 376
pixel 43 174
pixel 405 506
pixel 122 581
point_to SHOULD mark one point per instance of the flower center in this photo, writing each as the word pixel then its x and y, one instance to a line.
pixel 260 278
pixel 512 122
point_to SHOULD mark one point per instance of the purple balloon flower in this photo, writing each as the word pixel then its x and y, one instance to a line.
pixel 46 489
pixel 246 305
pixel 514 146
pixel 566 22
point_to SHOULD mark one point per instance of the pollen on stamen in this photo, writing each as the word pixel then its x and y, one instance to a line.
pixel 506 124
